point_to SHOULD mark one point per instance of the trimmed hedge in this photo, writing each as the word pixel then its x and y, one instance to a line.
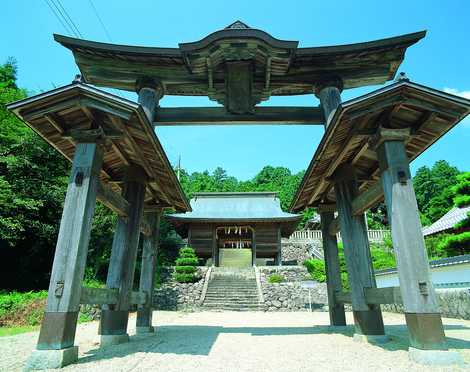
pixel 186 266
pixel 185 269
pixel 186 261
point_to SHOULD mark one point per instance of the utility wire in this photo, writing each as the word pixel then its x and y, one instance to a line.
pixel 100 20
pixel 79 35
pixel 72 30
pixel 64 25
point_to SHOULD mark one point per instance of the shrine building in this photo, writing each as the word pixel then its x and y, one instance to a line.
pixel 236 228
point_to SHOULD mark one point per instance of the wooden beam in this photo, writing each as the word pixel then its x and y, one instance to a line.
pixel 112 200
pixel 174 116
pixel 427 118
pixel 144 162
pixel 343 297
pixel 108 296
pixel 367 199
pixel 51 118
pixel 138 298
pixel 378 296
pixel 98 296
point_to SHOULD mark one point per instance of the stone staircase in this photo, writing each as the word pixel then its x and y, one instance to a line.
pixel 232 289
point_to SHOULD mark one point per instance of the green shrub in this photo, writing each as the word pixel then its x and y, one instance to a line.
pixel 18 308
pixel 184 278
pixel 464 224
pixel 462 200
pixel 186 261
pixel 316 268
pixel 185 269
pixel 381 258
pixel 456 244
pixel 434 247
pixel 186 266
pixel 276 278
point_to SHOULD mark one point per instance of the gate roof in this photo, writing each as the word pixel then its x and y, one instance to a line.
pixel 54 115
pixel 429 114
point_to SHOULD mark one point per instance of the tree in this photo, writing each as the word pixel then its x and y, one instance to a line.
pixel 459 243
pixel 433 188
pixel 186 266
pixel 32 187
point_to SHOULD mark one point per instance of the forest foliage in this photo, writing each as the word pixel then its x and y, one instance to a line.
pixel 33 179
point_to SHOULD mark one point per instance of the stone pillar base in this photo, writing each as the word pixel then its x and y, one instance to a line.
pixel 373 339
pixel 144 330
pixel 435 357
pixel 51 359
pixel 109 340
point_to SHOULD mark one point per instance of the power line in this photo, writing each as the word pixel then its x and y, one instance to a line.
pixel 64 25
pixel 62 16
pixel 100 20
pixel 70 19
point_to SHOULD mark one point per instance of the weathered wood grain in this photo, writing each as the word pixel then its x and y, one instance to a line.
pixel 175 116
pixel 333 270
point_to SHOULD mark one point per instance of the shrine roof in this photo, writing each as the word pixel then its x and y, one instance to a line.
pixel 54 115
pixel 427 112
pixel 237 207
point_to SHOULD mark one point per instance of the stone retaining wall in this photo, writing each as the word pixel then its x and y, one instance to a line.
pixel 453 302
pixel 297 253
pixel 290 273
pixel 171 295
pixel 289 295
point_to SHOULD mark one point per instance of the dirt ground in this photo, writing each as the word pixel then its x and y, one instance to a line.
pixel 242 341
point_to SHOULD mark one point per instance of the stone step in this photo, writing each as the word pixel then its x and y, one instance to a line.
pixel 230 299
pixel 232 293
pixel 236 304
pixel 239 304
pixel 222 287
pixel 234 308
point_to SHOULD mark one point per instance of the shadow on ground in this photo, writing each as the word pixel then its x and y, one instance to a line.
pixel 199 340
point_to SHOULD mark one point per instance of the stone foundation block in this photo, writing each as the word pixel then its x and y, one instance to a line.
pixel 435 357
pixel 109 340
pixel 50 359
pixel 373 339
pixel 144 330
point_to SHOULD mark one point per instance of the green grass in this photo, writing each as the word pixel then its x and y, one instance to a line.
pixel 11 331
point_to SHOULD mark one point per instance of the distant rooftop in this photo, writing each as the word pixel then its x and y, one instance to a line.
pixel 447 221
pixel 236 207
pixel 233 206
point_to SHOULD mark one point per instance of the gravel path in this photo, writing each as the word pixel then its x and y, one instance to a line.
pixel 231 341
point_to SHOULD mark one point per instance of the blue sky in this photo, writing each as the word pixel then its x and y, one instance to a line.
pixel 441 60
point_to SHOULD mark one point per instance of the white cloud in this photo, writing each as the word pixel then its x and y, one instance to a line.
pixel 463 93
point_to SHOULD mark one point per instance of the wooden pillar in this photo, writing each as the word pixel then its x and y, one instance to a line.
pixel 332 267
pixel 253 247
pixel 367 318
pixel 419 298
pixel 214 245
pixel 58 327
pixel 329 94
pixel 114 318
pixel 150 92
pixel 278 259
pixel 147 273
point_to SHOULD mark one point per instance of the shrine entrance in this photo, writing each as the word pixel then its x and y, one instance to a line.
pixel 235 246
pixel 363 159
